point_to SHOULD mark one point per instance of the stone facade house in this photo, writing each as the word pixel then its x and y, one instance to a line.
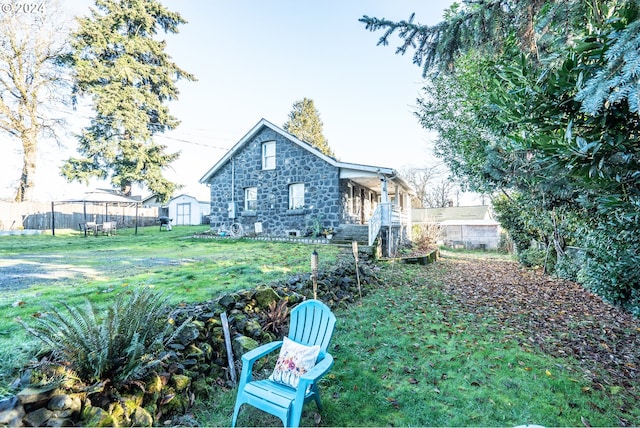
pixel 272 183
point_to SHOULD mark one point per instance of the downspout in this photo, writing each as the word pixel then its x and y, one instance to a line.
pixel 232 209
pixel 233 180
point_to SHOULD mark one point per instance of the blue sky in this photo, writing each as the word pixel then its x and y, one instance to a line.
pixel 255 58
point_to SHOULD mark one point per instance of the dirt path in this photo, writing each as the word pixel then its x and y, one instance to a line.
pixel 557 316
pixel 26 270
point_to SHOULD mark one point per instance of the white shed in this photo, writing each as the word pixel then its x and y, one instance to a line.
pixel 470 227
pixel 187 210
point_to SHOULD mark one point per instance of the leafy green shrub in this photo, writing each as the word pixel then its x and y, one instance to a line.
pixel 569 268
pixel 534 257
pixel 611 269
pixel 516 219
pixel 121 345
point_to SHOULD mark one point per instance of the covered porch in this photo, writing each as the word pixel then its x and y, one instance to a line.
pixel 380 199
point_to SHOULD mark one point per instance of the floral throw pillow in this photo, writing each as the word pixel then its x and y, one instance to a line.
pixel 294 360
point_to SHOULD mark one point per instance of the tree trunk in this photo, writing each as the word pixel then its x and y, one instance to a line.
pixel 26 184
pixel 126 188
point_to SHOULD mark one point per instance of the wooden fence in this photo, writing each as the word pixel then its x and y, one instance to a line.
pixel 69 215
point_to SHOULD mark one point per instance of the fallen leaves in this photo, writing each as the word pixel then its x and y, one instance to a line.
pixel 393 402
pixel 557 316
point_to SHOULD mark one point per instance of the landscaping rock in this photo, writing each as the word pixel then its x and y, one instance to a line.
pixel 37 395
pixel 188 334
pixel 65 402
pixel 265 296
pixel 60 422
pixel 154 383
pixel 180 382
pixel 38 417
pixel 133 401
pixel 142 418
pixel 96 417
pixel 243 344
pixel 11 412
pixel 227 301
pixel 253 328
pixel 118 413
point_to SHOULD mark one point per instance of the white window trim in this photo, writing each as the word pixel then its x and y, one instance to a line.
pixel 269 156
pixel 296 200
pixel 247 200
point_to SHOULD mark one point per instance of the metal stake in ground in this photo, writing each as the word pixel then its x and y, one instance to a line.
pixel 314 273
pixel 354 247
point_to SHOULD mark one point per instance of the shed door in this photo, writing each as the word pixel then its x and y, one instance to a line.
pixel 183 214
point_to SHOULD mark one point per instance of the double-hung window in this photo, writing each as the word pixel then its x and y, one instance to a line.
pixel 251 199
pixel 296 196
pixel 269 155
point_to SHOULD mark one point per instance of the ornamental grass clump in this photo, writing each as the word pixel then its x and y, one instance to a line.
pixel 119 346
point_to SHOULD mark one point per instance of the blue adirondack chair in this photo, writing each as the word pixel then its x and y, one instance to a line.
pixel 311 323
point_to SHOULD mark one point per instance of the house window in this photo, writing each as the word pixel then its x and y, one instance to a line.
pixel 353 206
pixel 251 199
pixel 269 155
pixel 296 196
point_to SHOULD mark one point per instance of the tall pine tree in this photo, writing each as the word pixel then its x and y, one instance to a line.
pixel 122 65
pixel 304 122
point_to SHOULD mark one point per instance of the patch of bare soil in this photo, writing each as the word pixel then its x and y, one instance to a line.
pixel 557 316
pixel 26 270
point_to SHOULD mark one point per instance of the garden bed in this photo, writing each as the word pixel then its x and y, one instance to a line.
pixel 422 258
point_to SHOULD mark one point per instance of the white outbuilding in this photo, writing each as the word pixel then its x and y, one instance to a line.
pixel 187 210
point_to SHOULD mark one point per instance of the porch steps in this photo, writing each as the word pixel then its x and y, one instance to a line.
pixel 346 233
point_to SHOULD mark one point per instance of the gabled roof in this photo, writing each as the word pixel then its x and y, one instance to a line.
pixel 184 195
pixel 347 170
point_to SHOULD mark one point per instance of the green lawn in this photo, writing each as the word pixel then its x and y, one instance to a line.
pixel 412 352
pixel 71 267
pixel 411 355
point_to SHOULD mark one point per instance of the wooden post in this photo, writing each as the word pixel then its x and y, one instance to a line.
pixel 227 342
pixel 53 221
pixel 314 273
pixel 354 247
pixel 84 211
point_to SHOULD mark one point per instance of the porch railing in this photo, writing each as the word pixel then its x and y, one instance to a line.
pixel 375 223
pixel 385 214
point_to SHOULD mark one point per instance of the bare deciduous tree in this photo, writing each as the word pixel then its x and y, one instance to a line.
pixel 419 179
pixel 433 188
pixel 32 79
pixel 441 193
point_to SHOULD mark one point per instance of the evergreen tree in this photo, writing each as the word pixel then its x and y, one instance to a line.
pixel 540 103
pixel 304 122
pixel 122 66
pixel 33 84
